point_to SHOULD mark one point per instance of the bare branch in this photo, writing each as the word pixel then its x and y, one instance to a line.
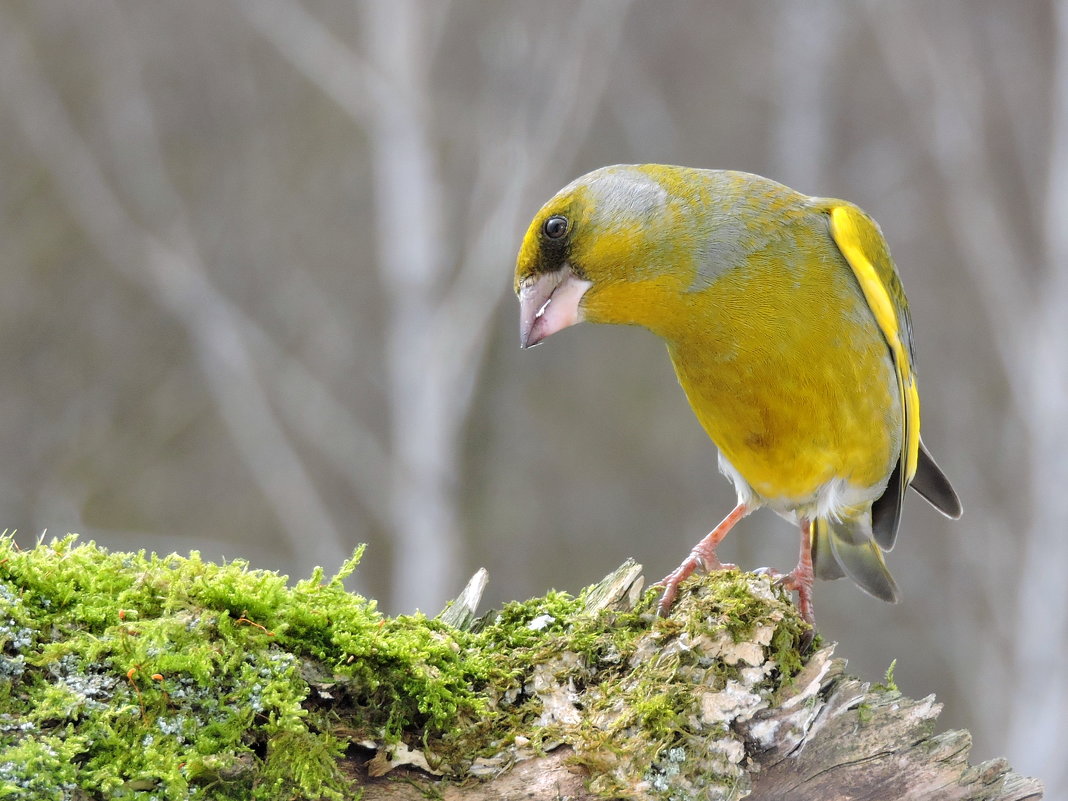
pixel 175 278
pixel 340 73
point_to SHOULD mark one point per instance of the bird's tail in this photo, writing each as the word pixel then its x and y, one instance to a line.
pixel 848 548
pixel 933 485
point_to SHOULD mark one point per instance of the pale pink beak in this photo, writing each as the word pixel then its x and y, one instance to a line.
pixel 549 304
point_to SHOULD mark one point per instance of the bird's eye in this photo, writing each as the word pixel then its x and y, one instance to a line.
pixel 555 227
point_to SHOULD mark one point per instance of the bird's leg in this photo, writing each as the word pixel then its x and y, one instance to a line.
pixel 800 578
pixel 703 555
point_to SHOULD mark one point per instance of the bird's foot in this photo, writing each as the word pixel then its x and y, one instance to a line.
pixel 703 555
pixel 707 562
pixel 794 581
pixel 800 581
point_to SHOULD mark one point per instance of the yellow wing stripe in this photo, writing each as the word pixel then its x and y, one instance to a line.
pixel 912 432
pixel 854 234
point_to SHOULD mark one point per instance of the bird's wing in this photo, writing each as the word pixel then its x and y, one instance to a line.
pixel 861 243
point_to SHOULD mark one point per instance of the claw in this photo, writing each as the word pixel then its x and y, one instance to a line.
pixel 702 556
pixel 768 571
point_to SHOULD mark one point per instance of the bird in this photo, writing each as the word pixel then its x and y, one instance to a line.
pixel 789 331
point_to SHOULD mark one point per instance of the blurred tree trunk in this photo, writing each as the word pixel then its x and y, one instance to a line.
pixel 438 273
pixel 412 250
pixel 437 266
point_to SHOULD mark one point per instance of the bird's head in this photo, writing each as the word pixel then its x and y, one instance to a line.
pixel 602 250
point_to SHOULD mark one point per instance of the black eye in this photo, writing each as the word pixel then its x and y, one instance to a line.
pixel 555 227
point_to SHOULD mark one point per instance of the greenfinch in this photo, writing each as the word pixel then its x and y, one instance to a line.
pixel 789 331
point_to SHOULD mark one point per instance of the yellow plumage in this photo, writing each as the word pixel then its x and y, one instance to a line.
pixel 789 332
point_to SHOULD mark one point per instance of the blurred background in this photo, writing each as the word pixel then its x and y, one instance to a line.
pixel 255 297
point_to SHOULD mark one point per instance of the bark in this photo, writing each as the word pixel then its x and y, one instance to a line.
pixel 834 739
pixel 827 736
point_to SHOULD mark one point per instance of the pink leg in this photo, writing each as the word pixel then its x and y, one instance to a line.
pixel 800 578
pixel 703 555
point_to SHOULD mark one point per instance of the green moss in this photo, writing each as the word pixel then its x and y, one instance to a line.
pixel 665 714
pixel 160 665
pixel 41 767
pixel 864 713
pixel 888 684
pixel 164 677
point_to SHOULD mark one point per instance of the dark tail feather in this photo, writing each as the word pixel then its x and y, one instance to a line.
pixel 860 557
pixel 933 485
pixel 886 511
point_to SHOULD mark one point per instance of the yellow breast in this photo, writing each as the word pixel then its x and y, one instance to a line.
pixel 788 373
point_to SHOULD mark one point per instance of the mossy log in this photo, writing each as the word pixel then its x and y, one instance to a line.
pixel 145 677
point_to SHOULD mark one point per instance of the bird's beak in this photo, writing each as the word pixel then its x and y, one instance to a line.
pixel 549 303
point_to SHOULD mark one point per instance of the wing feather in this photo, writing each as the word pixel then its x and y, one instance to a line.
pixel 861 242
